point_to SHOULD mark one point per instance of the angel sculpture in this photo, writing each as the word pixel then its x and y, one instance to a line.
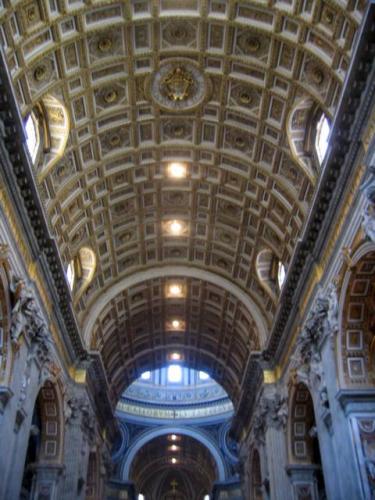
pixel 23 310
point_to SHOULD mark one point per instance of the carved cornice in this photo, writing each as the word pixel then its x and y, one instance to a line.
pixel 356 401
pixel 352 115
pixel 19 180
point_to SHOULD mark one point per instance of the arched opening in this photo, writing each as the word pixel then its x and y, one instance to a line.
pixel 281 274
pixel 203 326
pixel 162 396
pixel 271 272
pixel 308 131
pixel 32 453
pixel 304 440
pixel 32 135
pixel 46 130
pixel 256 477
pixel 80 271
pixel 171 419
pixel 357 332
pixel 44 450
pixel 174 469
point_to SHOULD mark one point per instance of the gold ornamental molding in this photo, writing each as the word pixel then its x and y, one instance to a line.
pixel 179 85
pixel 32 267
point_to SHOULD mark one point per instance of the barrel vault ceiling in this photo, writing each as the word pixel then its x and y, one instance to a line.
pixel 255 75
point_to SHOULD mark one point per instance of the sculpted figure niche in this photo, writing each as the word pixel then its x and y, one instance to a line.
pixel 26 317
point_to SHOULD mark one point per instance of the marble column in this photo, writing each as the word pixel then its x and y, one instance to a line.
pixel 277 461
pixel 357 423
pixel 76 447
pixel 316 356
pixel 274 412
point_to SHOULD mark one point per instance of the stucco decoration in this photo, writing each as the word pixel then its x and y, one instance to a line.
pixel 26 317
pixel 321 323
pixel 179 85
pixel 272 411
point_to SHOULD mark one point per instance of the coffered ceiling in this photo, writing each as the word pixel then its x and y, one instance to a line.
pixel 229 89
pixel 135 332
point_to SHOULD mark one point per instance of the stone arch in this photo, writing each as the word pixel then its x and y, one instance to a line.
pixel 52 431
pixel 305 459
pixel 44 454
pixel 161 431
pixel 255 476
pixel 356 343
pixel 175 271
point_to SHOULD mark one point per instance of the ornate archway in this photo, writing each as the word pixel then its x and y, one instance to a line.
pixel 44 455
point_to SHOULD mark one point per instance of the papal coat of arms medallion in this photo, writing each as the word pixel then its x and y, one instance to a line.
pixel 179 85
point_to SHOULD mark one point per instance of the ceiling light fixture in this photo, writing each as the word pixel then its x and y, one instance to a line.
pixel 173 437
pixel 175 356
pixel 174 460
pixel 175 227
pixel 174 290
pixel 176 323
pixel 176 170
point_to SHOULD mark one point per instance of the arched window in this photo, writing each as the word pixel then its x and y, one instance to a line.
pixel 281 274
pixel 32 135
pixel 203 376
pixel 271 272
pixel 321 138
pixel 70 274
pixel 80 271
pixel 46 129
pixel 174 373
